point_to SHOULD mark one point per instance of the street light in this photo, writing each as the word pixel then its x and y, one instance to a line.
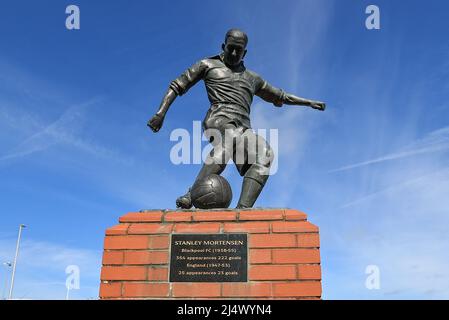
pixel 15 261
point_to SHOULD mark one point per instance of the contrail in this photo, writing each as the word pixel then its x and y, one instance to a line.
pixel 393 156
pixel 435 141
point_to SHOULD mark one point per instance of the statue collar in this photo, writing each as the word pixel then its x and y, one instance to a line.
pixel 239 68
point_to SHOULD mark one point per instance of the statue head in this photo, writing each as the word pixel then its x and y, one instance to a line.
pixel 234 47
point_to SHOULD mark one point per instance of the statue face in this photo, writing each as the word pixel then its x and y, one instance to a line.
pixel 234 51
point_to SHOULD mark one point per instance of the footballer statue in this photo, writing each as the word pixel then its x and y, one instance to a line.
pixel 230 88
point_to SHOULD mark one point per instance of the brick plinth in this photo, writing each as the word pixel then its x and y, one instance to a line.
pixel 283 255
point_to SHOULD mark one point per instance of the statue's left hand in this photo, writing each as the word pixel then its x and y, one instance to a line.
pixel 155 123
pixel 318 105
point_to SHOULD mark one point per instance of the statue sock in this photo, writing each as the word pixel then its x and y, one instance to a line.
pixel 251 189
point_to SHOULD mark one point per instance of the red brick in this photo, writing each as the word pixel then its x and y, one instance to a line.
pixel 297 226
pixel 259 256
pixel 272 272
pixel 272 240
pixel 151 216
pixel 246 290
pixel 158 274
pixel 309 272
pixel 120 229
pixel 308 240
pixel 291 214
pixel 250 227
pixel 123 273
pixel 144 290
pixel 297 289
pixel 150 228
pixel 110 289
pixel 273 214
pixel 113 257
pixel 214 216
pixel 196 289
pixel 126 242
pixel 146 257
pixel 159 242
pixel 205 227
pixel 178 216
pixel 296 256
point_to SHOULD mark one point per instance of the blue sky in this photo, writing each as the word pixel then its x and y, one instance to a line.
pixel 372 171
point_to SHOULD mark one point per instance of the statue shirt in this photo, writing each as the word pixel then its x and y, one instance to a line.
pixel 230 92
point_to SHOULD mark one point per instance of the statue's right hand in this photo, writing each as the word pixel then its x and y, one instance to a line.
pixel 318 105
pixel 155 123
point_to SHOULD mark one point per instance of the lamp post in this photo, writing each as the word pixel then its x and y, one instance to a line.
pixel 15 261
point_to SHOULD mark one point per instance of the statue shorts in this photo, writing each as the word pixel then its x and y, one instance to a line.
pixel 232 139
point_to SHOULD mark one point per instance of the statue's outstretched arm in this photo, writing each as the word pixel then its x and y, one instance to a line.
pixel 155 123
pixel 278 97
pixel 178 87
pixel 291 99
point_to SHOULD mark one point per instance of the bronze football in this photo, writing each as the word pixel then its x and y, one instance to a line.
pixel 212 192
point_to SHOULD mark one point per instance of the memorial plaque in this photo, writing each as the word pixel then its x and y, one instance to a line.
pixel 209 258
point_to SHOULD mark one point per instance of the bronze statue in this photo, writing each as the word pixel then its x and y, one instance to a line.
pixel 230 89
